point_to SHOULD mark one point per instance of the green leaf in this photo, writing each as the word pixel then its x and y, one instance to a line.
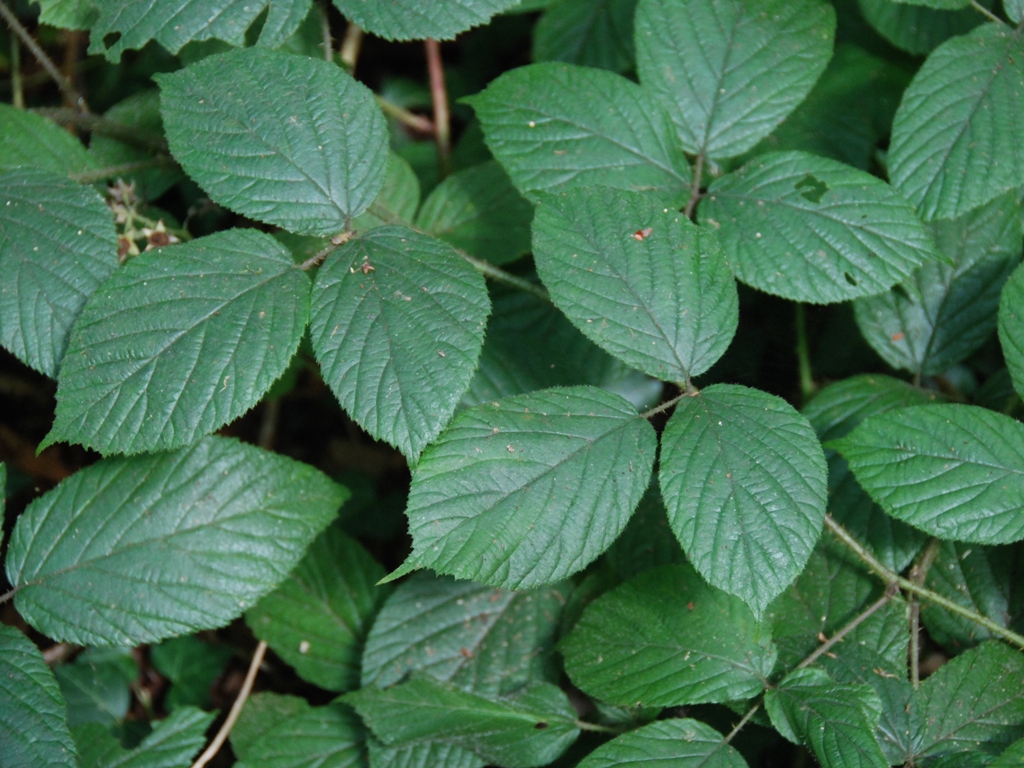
pixel 318 618
pixel 412 20
pixel 97 686
pixel 528 729
pixel 666 638
pixel 973 702
pixel 847 112
pixel 811 229
pixel 397 200
pixel 744 481
pixel 530 489
pixel 140 111
pixel 875 651
pixel 314 737
pixel 558 126
pixel 944 313
pixel 68 14
pixel 124 25
pixel 954 138
pixel 192 666
pixel 57 245
pixel 33 715
pixel 29 140
pixel 639 280
pixel 592 33
pixel 428 755
pixel 954 471
pixel 829 592
pixel 647 540
pixel 678 743
pixel 1014 10
pixel 133 550
pixel 490 641
pixel 986 580
pixel 397 325
pixel 179 342
pixel 530 345
pixel 729 72
pixel 478 210
pixel 834 412
pixel 837 722
pixel 174 742
pixel 1011 327
pixel 279 138
pixel 915 29
pixel 262 712
pixel 1014 754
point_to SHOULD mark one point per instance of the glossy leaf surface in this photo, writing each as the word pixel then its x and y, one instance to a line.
pixel 173 23
pixel 744 482
pixel 944 312
pixel 397 325
pixel 637 279
pixel 33 715
pixel 530 489
pixel 232 310
pixel 683 743
pixel 490 641
pixel 136 549
pixel 954 471
pixel 728 72
pixel 666 638
pixel 954 141
pixel 811 229
pixel 57 245
pixel 413 20
pixel 556 126
pixel 531 728
pixel 279 138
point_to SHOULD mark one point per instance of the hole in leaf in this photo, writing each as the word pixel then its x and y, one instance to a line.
pixel 900 291
pixel 850 278
pixel 540 726
pixel 110 39
pixel 812 188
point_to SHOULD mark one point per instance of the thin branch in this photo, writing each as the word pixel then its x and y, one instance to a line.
pixel 698 171
pixel 985 12
pixel 918 574
pixel 7 595
pixel 439 97
pixel 891 577
pixel 59 652
pixel 71 94
pixel 350 46
pixel 325 30
pixel 739 726
pixel 405 117
pixel 236 708
pixel 665 406
pixel 495 273
pixel 268 425
pixel 803 355
pixel 583 725
pixel 17 86
pixel 104 127
pixel 99 174
pixel 852 625
pixel 317 259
